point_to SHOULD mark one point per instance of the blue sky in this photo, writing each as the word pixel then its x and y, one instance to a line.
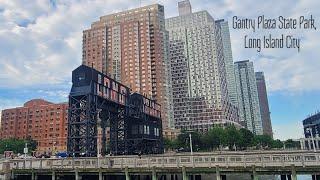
pixel 40 44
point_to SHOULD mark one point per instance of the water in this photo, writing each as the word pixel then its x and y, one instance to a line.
pixel 235 176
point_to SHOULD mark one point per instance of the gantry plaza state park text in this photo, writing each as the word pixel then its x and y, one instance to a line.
pixel 149 87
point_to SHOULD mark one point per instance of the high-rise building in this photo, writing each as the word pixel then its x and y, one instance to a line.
pixel 130 47
pixel 228 61
pixel 264 105
pixel 311 128
pixel 43 121
pixel 249 109
pixel 184 7
pixel 199 88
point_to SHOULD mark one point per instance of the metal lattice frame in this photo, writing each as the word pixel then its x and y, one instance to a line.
pixel 93 105
pixel 82 125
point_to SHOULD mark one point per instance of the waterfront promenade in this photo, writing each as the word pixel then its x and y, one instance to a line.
pixel 167 166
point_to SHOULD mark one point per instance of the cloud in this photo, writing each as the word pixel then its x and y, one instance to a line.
pixel 285 69
pixel 40 42
pixel 63 94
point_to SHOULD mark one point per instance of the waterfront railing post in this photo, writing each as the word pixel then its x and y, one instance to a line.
pixel 126 171
pixel 218 176
pixel 53 175
pixel 100 174
pixel 184 173
pixel 77 177
pixel 33 177
pixel 122 163
pixel 254 173
pixel 72 162
pixel 154 173
pixel 293 172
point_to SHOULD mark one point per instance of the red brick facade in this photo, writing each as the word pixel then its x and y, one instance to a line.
pixel 130 47
pixel 41 120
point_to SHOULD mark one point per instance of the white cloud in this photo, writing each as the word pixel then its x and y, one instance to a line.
pixel 288 70
pixel 54 38
pixel 55 93
pixel 48 49
pixel 49 46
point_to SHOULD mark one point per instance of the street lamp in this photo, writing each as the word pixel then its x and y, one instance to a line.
pixel 190 141
pixel 25 151
pixel 190 138
pixel 309 129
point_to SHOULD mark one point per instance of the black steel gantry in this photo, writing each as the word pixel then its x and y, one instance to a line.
pixel 97 101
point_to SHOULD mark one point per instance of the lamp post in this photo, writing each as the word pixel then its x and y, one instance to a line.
pixel 190 138
pixel 25 151
pixel 190 141
pixel 309 129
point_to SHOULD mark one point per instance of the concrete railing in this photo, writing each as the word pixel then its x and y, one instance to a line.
pixel 201 160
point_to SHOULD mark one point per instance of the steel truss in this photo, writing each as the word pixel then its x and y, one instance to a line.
pixel 122 112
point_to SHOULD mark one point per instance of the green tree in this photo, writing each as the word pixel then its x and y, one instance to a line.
pixel 167 143
pixel 214 138
pixel 245 139
pixel 232 136
pixel 291 144
pixel 196 141
pixel 263 141
pixel 277 144
pixel 170 144
pixel 17 145
pixel 183 141
pixel 32 144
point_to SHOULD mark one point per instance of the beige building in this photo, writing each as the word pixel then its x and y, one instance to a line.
pixel 171 133
pixel 130 47
pixel 199 86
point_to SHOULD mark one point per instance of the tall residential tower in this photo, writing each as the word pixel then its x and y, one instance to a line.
pixel 130 46
pixel 264 105
pixel 249 109
pixel 199 86
pixel 228 61
pixel 184 7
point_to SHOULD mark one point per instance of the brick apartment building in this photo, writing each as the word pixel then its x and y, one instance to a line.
pixel 41 120
pixel 130 46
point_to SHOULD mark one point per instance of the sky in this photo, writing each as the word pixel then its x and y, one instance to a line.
pixel 40 44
